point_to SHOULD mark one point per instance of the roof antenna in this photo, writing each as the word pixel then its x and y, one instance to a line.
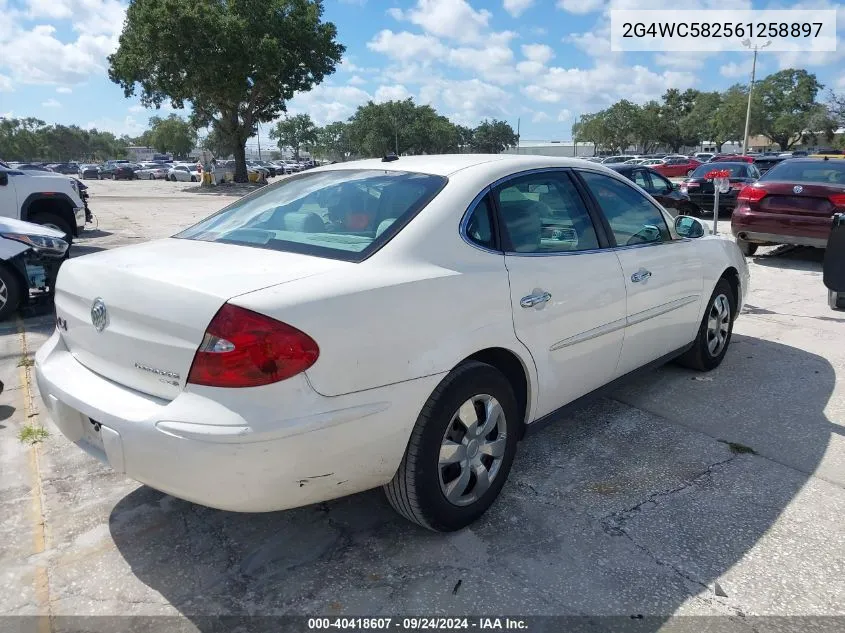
pixel 389 157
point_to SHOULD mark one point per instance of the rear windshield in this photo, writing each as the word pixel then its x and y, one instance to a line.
pixel 828 172
pixel 340 214
pixel 736 171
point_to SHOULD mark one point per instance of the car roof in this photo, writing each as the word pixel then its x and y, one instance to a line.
pixel 447 164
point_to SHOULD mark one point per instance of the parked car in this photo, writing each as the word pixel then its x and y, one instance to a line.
pixel 672 167
pixel 701 190
pixel 633 161
pixel 703 156
pixel 151 171
pixel 792 203
pixel 277 354
pixel 834 263
pixel 118 170
pixel 765 163
pixel 650 162
pixel 30 167
pixel 65 168
pixel 609 160
pixel 185 173
pixel 673 199
pixel 89 171
pixel 30 257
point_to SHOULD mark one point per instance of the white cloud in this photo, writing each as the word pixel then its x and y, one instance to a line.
pixel 466 102
pixel 733 70
pixel 51 103
pixel 137 108
pixel 581 6
pixel 541 53
pixel 5 84
pixel 407 46
pixel 492 63
pixel 454 19
pixel 540 117
pixel 517 7
pixel 64 90
pixel 685 61
pixel 391 93
pixel 356 80
pixel 396 13
pixel 530 68
pixel 327 103
pixel 564 115
pixel 803 59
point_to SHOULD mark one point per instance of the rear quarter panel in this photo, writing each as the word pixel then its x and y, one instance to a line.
pixel 720 254
pixel 419 306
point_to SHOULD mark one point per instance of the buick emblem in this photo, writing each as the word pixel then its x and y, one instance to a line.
pixel 797 189
pixel 99 315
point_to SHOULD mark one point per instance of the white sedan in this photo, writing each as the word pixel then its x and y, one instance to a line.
pixel 391 323
pixel 185 173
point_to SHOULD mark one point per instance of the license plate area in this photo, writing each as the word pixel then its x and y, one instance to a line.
pixel 92 437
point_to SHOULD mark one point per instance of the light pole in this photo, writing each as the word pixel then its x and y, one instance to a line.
pixel 757 47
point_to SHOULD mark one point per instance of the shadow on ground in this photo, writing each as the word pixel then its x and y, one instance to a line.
pixel 793 258
pixel 615 511
pixel 78 250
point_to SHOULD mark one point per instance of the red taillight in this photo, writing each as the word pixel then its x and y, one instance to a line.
pixel 838 200
pixel 751 194
pixel 242 348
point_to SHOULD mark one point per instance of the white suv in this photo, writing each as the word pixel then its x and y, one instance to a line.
pixel 49 199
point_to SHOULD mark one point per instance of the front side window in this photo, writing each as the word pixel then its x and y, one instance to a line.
pixel 340 214
pixel 632 217
pixel 544 213
pixel 641 178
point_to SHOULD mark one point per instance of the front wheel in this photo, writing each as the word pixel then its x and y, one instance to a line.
pixel 460 451
pixel 193 178
pixel 10 293
pixel 714 334
pixel 54 221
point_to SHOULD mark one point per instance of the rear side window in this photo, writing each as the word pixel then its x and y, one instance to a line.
pixel 632 218
pixel 480 226
pixel 544 213
pixel 827 172
pixel 340 214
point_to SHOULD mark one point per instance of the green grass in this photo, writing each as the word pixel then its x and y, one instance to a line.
pixel 32 434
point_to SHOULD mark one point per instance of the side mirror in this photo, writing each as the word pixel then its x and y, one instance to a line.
pixel 4 179
pixel 687 226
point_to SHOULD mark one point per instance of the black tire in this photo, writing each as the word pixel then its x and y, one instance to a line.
pixel 415 490
pixel 836 300
pixel 55 221
pixel 10 291
pixel 193 178
pixel 747 248
pixel 700 356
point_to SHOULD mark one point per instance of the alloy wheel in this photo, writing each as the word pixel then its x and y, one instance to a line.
pixel 472 450
pixel 718 325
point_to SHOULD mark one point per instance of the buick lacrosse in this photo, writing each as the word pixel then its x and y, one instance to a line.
pixel 395 322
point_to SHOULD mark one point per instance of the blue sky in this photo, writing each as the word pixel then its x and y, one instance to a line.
pixel 543 62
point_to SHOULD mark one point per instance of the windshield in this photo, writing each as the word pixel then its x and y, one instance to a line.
pixel 342 214
pixel 827 172
pixel 736 171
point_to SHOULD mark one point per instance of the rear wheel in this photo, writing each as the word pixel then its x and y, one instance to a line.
pixel 460 451
pixel 10 293
pixel 714 333
pixel 836 300
pixel 747 248
pixel 193 178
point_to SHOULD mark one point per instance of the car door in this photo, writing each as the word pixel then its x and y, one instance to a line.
pixel 663 275
pixel 662 190
pixel 8 195
pixel 567 290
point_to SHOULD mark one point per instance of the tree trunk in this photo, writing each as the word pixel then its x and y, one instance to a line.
pixel 240 162
pixel 719 148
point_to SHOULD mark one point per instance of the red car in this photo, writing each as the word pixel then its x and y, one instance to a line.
pixel 793 203
pixel 674 167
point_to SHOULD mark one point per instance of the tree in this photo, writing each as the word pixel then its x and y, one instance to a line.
pixel 836 106
pixel 646 130
pixel 294 132
pixel 236 61
pixel 217 142
pixel 464 137
pixel 333 141
pixel 493 137
pixel 788 100
pixel 675 130
pixel 592 128
pixel 172 135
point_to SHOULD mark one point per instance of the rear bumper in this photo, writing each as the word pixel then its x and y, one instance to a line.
pixel 264 458
pixel 769 228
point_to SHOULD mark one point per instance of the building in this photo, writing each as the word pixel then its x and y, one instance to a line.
pixel 552 148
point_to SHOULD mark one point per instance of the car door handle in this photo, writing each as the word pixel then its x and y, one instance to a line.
pixel 641 275
pixel 534 300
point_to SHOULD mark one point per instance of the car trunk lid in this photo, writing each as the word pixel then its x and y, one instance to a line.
pixel 798 199
pixel 159 297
